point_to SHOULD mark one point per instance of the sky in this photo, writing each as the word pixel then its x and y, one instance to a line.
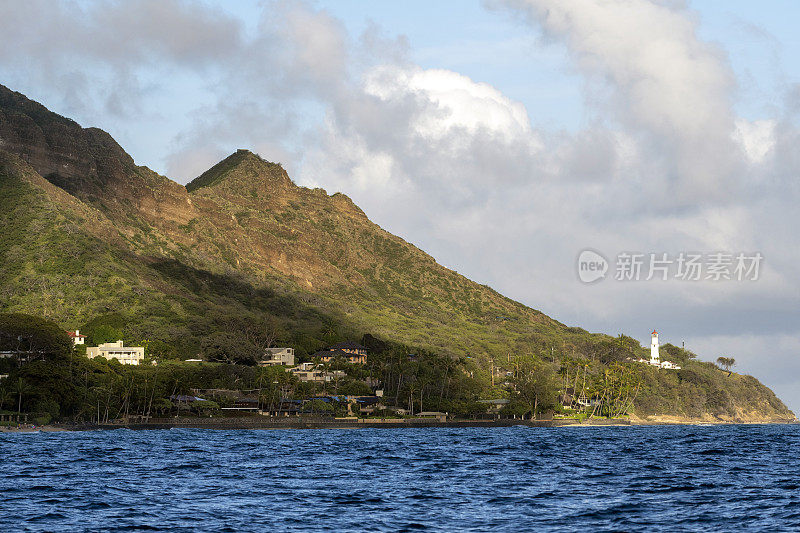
pixel 503 137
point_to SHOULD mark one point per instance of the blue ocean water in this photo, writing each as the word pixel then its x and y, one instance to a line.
pixel 473 479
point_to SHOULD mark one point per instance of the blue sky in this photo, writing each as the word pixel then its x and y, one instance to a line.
pixel 501 137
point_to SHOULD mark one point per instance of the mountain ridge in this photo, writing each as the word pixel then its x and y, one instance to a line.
pixel 121 248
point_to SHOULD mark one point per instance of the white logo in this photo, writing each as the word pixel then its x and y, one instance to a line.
pixel 591 266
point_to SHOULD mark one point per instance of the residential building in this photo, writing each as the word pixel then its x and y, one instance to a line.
pixel 328 355
pixel 76 337
pixel 494 406
pixel 21 356
pixel 368 404
pixel 278 356
pixel 127 355
pixel 350 351
pixel 310 372
pixel 350 347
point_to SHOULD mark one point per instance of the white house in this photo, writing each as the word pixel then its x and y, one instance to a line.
pixel 278 356
pixel 127 355
pixel 76 337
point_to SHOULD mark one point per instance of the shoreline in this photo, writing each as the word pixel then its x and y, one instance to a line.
pixel 249 424
pixel 243 423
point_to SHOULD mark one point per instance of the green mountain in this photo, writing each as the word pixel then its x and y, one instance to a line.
pixel 240 254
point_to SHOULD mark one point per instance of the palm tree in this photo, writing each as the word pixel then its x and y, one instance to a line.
pixel 20 387
pixel 726 363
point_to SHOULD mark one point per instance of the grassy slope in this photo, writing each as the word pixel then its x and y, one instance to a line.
pixel 66 261
pixel 380 281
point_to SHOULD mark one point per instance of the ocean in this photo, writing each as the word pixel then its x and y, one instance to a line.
pixel 637 478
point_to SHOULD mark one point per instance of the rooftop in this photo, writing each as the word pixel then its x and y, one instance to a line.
pixel 347 345
pixel 335 353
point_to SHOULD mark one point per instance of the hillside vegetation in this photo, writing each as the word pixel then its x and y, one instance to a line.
pixel 242 256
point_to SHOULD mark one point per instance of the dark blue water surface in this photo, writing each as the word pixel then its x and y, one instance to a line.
pixel 504 479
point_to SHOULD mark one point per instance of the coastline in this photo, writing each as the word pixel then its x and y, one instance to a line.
pixel 241 423
pixel 258 422
pixel 309 423
pixel 743 419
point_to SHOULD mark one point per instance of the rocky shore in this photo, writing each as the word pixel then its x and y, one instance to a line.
pixel 743 418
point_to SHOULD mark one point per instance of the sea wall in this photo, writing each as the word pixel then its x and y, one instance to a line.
pixel 331 423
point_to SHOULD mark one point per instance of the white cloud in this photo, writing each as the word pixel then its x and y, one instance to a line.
pixel 656 78
pixel 455 101
pixel 100 52
pixel 756 138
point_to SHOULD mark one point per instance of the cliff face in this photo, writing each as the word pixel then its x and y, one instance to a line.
pixel 86 162
pixel 91 239
pixel 56 147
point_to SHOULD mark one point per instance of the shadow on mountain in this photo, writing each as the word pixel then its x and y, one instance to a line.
pixel 233 290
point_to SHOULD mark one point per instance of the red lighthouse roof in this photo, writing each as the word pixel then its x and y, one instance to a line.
pixel 654 332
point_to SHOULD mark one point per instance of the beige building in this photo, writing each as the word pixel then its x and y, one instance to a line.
pixel 310 372
pixel 278 356
pixel 127 355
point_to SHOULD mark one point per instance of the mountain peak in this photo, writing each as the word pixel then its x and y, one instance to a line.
pixel 242 167
pixel 79 160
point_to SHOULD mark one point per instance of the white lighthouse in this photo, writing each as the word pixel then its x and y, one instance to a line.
pixel 654 358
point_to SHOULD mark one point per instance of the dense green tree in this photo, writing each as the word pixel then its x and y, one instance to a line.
pixel 676 354
pixel 205 407
pixel 227 347
pixel 105 328
pixel 31 337
pixel 535 385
